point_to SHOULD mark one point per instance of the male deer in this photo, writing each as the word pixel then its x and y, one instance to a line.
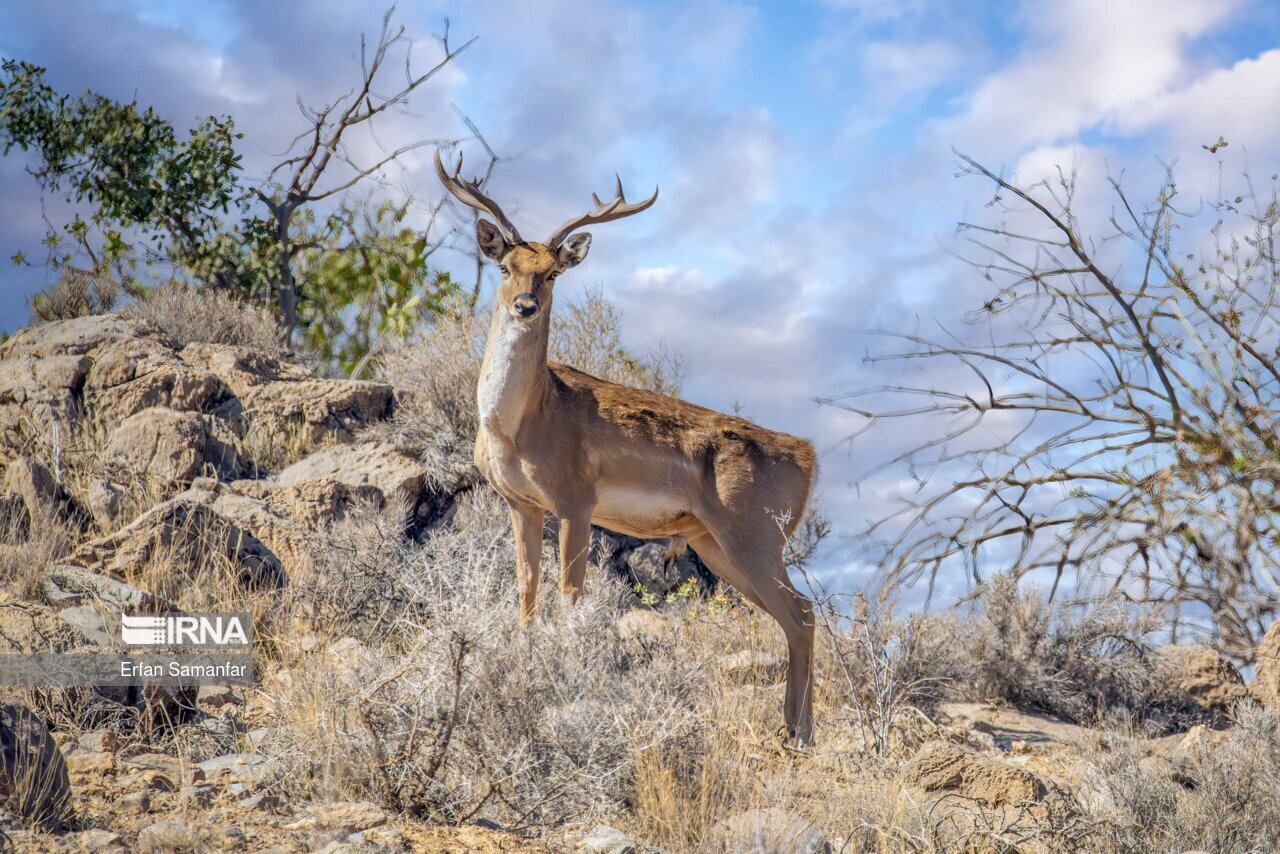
pixel 552 438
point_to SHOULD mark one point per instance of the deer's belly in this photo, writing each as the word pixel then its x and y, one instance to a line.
pixel 641 511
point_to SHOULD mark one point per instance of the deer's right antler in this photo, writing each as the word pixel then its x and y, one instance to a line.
pixel 468 192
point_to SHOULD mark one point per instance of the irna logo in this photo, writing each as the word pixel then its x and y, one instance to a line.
pixel 185 629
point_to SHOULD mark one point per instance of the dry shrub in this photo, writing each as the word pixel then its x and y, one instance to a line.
pixel 462 712
pixel 1084 665
pixel 1223 795
pixel 186 315
pixel 588 336
pixel 76 293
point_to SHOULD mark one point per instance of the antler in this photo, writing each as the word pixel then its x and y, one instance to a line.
pixel 616 209
pixel 468 192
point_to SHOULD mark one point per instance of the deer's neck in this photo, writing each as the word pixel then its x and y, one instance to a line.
pixel 513 376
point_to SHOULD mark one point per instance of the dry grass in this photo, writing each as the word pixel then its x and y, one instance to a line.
pixel 75 293
pixel 186 315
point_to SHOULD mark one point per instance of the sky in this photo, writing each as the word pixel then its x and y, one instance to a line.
pixel 804 151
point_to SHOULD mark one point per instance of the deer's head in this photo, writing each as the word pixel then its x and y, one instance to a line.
pixel 529 270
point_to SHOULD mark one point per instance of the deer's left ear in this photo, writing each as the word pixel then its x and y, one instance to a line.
pixel 575 249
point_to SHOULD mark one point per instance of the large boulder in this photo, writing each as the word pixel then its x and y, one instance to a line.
pixel 42 496
pixel 1266 688
pixel 135 374
pixel 942 768
pixel 1201 673
pixel 375 472
pixel 165 447
pixel 33 775
pixel 184 532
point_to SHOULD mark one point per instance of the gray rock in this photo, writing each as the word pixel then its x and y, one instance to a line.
pixel 90 623
pixel 42 495
pixel 100 840
pixel 33 774
pixel 161 445
pixel 767 831
pixel 608 840
pixel 106 502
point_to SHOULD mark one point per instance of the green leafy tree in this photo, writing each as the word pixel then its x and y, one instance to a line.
pixel 346 272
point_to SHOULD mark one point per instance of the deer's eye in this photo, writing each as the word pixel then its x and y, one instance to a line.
pixel 503 270
pixel 551 277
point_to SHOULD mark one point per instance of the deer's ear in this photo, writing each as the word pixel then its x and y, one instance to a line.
pixel 490 240
pixel 574 250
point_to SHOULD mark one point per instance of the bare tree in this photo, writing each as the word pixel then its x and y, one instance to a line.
pixel 305 177
pixel 1120 430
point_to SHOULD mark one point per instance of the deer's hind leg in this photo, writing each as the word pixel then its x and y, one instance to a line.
pixel 752 563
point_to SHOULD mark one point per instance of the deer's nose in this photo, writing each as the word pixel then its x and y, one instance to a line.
pixel 525 305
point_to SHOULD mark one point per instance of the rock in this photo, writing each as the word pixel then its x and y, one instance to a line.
pixel 643 626
pixel 350 816
pixel 608 840
pixel 188 533
pixel 752 667
pixel 261 803
pixel 106 502
pixel 33 773
pixel 941 766
pixel 373 470
pixel 67 586
pixel 660 574
pixel 102 739
pixel 766 831
pixel 312 413
pixel 31 628
pixel 160 446
pixel 247 769
pixel 100 840
pixel 1266 688
pixel 169 766
pixel 1199 737
pixel 217 696
pixel 131 375
pixel 198 795
pixel 95 763
pixel 87 620
pixel 1201 672
pixel 41 493
pixel 136 803
pixel 173 835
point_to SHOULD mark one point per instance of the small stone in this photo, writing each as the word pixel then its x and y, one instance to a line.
pixel 217 696
pixel 157 781
pixel 1020 748
pixel 99 740
pixel 136 803
pixel 607 840
pixel 263 803
pixel 349 815
pixel 100 840
pixel 199 795
pixel 100 762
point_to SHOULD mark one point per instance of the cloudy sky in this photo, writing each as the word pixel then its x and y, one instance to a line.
pixel 804 149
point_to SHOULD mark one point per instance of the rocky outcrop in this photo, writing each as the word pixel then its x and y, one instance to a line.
pixel 1266 688
pixel 1201 673
pixel 33 775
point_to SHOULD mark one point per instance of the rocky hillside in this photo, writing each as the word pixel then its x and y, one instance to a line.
pixel 398 707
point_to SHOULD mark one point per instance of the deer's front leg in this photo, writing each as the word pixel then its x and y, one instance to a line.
pixel 575 543
pixel 526 523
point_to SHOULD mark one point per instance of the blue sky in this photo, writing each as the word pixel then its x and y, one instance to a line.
pixel 803 149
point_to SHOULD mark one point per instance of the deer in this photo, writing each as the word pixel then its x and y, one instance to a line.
pixel 554 439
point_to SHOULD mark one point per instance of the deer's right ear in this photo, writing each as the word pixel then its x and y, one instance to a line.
pixel 490 240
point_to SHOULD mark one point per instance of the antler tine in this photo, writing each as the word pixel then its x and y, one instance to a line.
pixel 617 208
pixel 469 193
